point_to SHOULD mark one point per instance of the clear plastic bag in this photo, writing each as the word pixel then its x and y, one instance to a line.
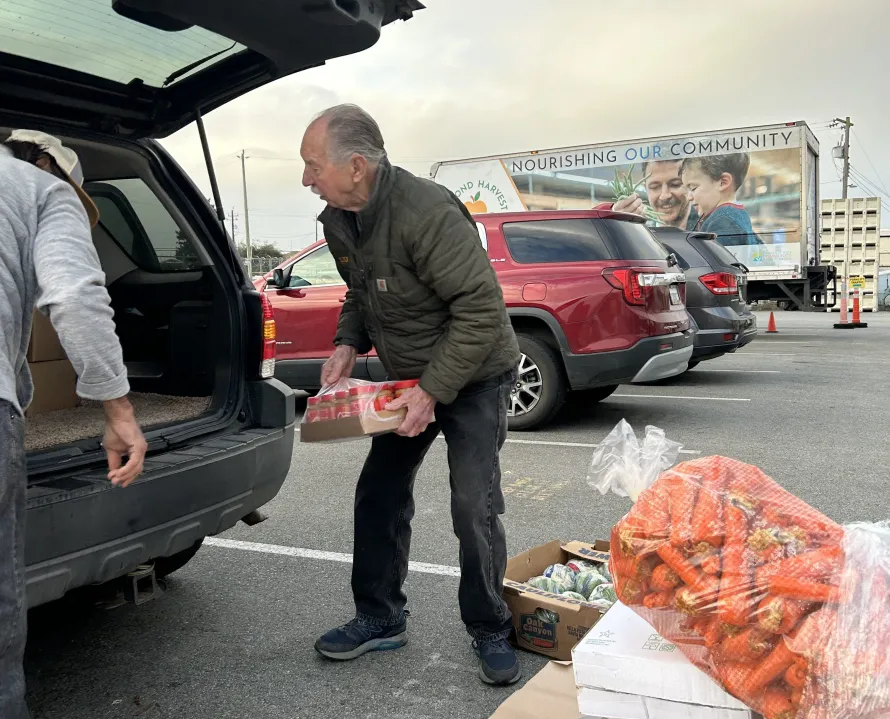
pixel 353 409
pixel 624 466
pixel 786 609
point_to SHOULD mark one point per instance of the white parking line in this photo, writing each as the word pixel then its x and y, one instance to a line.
pixel 586 445
pixel 745 353
pixel 299 552
pixel 547 443
pixel 681 396
pixel 741 371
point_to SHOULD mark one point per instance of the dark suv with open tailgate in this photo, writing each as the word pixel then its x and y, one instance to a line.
pixel 109 78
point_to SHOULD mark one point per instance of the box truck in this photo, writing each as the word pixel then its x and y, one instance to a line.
pixel 757 188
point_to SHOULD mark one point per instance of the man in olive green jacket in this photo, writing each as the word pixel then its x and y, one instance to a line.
pixel 422 292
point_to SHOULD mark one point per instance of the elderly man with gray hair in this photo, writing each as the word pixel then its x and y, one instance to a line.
pixel 421 290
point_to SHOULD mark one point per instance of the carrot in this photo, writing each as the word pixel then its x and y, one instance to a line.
pixel 674 559
pixel 715 632
pixel 773 666
pixel 796 696
pixel 640 567
pixel 816 565
pixel 682 505
pixel 664 578
pixel 748 645
pixel 735 582
pixel 796 675
pixel 630 591
pixel 711 564
pixel 659 600
pixel 807 591
pixel 766 546
pixel 652 508
pixel 777 705
pixel 804 638
pixel 707 519
pixel 733 676
pixel 779 615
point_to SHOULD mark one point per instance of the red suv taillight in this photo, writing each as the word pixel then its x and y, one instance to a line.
pixel 267 368
pixel 721 283
pixel 629 282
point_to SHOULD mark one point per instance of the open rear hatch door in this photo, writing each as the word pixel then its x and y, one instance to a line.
pixel 142 68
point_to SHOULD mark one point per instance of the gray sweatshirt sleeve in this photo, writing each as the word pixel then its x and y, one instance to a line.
pixel 71 291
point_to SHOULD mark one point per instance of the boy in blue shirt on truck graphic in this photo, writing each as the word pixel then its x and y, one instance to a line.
pixel 713 183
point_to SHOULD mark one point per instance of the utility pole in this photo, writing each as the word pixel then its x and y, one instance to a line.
pixel 846 150
pixel 232 218
pixel 316 228
pixel 246 214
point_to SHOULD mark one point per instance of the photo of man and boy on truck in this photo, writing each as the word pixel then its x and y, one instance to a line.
pixel 751 199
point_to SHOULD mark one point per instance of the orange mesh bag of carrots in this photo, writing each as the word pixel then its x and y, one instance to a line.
pixel 786 609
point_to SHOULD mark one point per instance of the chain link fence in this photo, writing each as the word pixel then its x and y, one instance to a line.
pixel 259 266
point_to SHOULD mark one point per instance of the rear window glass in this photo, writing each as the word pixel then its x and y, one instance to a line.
pixel 686 254
pixel 717 252
pixel 542 241
pixel 137 220
pixel 633 241
pixel 88 36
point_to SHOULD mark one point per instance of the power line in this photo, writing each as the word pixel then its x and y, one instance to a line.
pixel 880 182
pixel 868 184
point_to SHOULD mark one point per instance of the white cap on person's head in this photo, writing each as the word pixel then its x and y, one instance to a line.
pixel 67 161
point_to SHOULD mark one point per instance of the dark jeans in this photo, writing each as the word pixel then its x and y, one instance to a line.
pixel 13 629
pixel 475 427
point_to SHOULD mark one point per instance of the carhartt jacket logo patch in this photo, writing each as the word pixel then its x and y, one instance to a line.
pixel 381 285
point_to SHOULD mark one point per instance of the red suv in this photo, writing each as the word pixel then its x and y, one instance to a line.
pixel 595 299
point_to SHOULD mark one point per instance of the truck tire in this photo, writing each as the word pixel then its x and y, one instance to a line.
pixel 540 389
pixel 168 565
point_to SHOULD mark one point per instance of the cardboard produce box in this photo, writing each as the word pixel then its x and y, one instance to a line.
pixel 54 387
pixel 350 427
pixel 44 345
pixel 625 670
pixel 353 409
pixel 574 618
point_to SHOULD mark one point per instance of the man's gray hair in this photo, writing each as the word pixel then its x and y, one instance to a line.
pixel 352 131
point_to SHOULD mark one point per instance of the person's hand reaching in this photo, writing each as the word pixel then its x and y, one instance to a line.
pixel 632 204
pixel 339 365
pixel 123 438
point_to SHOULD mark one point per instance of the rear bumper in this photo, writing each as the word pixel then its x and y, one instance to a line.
pixel 720 330
pixel 91 532
pixel 664 365
pixel 652 358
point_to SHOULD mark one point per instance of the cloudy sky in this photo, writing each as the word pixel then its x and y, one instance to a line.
pixel 467 78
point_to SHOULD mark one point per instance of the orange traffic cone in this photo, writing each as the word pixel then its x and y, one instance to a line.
pixel 857 321
pixel 844 324
pixel 771 327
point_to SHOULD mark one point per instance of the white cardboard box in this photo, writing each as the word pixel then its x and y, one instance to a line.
pixel 613 705
pixel 625 657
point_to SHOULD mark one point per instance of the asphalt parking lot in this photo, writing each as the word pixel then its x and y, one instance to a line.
pixel 232 636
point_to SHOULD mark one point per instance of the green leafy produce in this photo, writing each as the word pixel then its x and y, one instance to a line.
pixel 623 187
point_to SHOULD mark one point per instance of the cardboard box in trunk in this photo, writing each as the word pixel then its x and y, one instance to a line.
pixel 351 427
pixel 44 345
pixel 574 618
pixel 54 387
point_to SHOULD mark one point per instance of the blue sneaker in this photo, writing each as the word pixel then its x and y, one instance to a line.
pixel 359 637
pixel 498 663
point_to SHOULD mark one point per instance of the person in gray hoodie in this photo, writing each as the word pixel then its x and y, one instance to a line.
pixel 47 261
